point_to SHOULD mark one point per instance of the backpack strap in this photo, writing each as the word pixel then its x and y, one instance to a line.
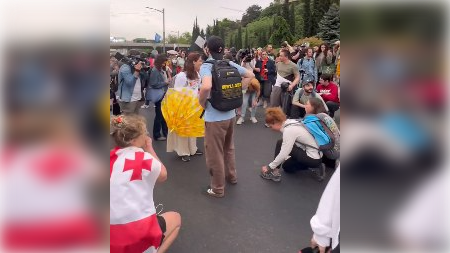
pixel 299 123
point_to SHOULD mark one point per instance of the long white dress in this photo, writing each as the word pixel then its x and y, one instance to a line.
pixel 184 146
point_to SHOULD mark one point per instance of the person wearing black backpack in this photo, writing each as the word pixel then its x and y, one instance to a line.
pixel 220 94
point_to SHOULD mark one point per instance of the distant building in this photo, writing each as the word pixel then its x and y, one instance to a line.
pixel 143 40
pixel 117 39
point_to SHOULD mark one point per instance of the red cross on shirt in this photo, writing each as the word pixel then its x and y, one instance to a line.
pixel 137 165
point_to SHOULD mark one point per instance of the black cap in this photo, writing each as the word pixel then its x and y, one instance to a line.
pixel 216 47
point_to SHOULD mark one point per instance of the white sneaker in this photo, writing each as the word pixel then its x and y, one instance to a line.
pixel 253 119
pixel 240 121
pixel 145 106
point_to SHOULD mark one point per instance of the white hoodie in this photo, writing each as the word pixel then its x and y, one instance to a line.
pixel 326 224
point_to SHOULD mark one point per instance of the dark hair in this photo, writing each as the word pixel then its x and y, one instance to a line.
pixel 320 50
pixel 189 66
pixel 160 59
pixel 285 52
pixel 326 77
pixel 317 105
pixel 309 82
pixel 228 56
pixel 284 44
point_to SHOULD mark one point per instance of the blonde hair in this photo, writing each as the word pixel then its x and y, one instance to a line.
pixel 275 115
pixel 126 128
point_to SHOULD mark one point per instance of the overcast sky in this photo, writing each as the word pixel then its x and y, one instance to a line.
pixel 130 18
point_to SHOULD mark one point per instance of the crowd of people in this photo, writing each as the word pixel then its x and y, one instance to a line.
pixel 298 87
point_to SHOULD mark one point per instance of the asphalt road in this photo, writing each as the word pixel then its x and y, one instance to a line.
pixel 255 216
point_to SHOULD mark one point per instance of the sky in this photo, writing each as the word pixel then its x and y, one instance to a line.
pixel 130 18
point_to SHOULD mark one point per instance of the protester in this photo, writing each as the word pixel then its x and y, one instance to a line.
pixel 131 192
pixel 329 91
pixel 323 57
pixel 180 62
pixel 300 99
pixel 297 150
pixel 250 95
pixel 267 77
pixel 158 81
pixel 307 67
pixel 131 84
pixel 219 125
pixel 287 72
pixel 270 52
pixel 189 79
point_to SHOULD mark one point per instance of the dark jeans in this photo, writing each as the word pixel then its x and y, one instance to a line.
pixel 297 112
pixel 147 102
pixel 332 106
pixel 159 122
pixel 299 160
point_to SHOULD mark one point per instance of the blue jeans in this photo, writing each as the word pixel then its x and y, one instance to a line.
pixel 247 96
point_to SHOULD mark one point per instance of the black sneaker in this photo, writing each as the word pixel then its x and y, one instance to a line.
pixel 270 175
pixel 185 158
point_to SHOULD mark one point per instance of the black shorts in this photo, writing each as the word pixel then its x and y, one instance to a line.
pixel 162 225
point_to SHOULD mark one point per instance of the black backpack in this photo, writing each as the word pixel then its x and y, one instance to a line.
pixel 226 91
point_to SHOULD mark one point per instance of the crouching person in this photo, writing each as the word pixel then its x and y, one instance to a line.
pixel 134 170
pixel 297 150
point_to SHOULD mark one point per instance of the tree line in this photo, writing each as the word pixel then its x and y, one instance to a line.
pixel 282 20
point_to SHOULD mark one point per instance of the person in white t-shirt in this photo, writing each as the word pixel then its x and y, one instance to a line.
pixel 190 79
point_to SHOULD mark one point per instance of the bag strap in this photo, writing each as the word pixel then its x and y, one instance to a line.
pixel 301 124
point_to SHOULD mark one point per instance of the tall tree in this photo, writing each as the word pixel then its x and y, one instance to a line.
pixel 216 28
pixel 202 33
pixel 222 33
pixel 231 41
pixel 307 19
pixel 285 11
pixel 246 45
pixel 238 41
pixel 330 25
pixel 292 18
pixel 252 13
pixel 282 32
pixel 195 31
pixel 320 8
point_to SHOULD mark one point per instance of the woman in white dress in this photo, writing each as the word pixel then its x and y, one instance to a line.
pixel 189 78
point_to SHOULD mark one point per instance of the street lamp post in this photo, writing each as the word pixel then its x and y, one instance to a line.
pixel 164 27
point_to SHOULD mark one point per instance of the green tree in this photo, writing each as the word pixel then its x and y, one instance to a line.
pixel 195 31
pixel 202 33
pixel 238 41
pixel 246 45
pixel 292 18
pixel 270 11
pixel 215 30
pixel 330 25
pixel 171 39
pixel 282 32
pixel 231 40
pixel 307 19
pixel 285 10
pixel 320 8
pixel 252 13
pixel 185 38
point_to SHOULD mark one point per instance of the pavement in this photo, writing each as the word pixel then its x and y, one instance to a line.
pixel 255 216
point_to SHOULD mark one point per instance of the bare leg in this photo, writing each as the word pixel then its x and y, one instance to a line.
pixel 173 224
